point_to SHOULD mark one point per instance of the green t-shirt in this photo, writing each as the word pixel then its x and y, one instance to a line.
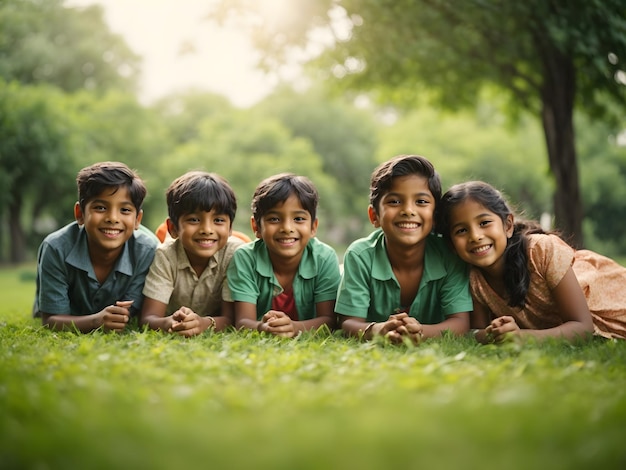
pixel 251 277
pixel 370 290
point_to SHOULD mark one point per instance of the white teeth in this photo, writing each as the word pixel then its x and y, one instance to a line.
pixel 408 225
pixel 111 232
pixel 482 249
pixel 287 240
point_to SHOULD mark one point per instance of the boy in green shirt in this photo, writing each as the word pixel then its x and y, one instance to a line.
pixel 402 280
pixel 286 281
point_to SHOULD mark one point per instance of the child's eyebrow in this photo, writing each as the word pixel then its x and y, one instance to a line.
pixel 105 202
pixel 396 194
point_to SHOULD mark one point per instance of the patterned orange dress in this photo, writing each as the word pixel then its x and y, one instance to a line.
pixel 602 280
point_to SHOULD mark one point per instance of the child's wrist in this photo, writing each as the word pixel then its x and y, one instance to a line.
pixel 367 333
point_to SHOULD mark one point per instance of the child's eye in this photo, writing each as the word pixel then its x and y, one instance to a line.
pixel 126 210
pixel 300 219
pixel 393 202
pixel 272 220
pixel 219 220
pixel 484 223
pixel 460 231
pixel 192 220
pixel 99 208
pixel 422 202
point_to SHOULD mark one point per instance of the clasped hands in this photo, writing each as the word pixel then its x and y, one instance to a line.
pixel 501 329
pixel 398 327
pixel 277 323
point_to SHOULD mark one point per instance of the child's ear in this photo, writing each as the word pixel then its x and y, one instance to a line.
pixel 78 214
pixel 371 213
pixel 171 228
pixel 314 227
pixel 255 228
pixel 138 219
pixel 509 225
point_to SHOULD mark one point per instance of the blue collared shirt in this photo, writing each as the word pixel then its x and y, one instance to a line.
pixel 66 280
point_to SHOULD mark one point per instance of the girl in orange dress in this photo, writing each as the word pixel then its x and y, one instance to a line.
pixel 525 282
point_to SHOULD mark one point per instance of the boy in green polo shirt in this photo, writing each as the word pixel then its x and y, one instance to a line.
pixel 186 291
pixel 90 273
pixel 286 281
pixel 402 280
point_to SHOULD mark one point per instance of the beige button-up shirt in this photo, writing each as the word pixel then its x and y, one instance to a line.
pixel 173 281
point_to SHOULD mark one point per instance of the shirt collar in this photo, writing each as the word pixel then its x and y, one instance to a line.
pixel 78 257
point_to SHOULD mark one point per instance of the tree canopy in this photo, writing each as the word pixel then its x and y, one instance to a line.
pixel 71 48
pixel 550 56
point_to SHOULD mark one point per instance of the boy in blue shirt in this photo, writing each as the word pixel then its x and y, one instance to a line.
pixel 286 281
pixel 402 280
pixel 90 273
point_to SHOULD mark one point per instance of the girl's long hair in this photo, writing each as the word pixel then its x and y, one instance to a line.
pixel 516 272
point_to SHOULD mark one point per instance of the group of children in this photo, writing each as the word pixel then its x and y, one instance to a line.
pixel 459 262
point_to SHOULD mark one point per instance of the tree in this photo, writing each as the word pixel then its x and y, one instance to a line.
pixel 36 158
pixel 550 56
pixel 72 48
pixel 345 138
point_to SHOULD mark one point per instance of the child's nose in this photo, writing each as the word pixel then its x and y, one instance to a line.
pixel 207 227
pixel 476 234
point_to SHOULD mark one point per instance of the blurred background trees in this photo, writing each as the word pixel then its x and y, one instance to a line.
pixel 67 99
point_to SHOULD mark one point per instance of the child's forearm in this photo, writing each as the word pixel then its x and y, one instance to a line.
pixel 83 323
pixel 314 323
pixel 457 324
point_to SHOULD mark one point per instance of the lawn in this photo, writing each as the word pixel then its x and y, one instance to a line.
pixel 144 400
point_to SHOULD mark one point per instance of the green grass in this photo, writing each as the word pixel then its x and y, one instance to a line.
pixel 143 400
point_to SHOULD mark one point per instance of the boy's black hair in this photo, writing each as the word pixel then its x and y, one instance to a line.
pixel 277 189
pixel 402 165
pixel 96 178
pixel 516 272
pixel 200 191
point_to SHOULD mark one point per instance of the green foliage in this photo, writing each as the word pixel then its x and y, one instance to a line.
pixel 478 145
pixel 547 56
pixel 345 138
pixel 34 146
pixel 602 185
pixel 145 400
pixel 245 150
pixel 71 48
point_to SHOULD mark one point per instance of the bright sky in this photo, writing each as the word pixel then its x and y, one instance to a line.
pixel 159 30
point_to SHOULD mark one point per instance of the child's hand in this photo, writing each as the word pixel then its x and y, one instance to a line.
pixel 278 323
pixel 115 317
pixel 410 328
pixel 185 322
pixel 389 328
pixel 502 329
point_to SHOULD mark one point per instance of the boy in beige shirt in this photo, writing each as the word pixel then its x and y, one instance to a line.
pixel 185 290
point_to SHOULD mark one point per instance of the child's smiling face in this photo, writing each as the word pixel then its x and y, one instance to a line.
pixel 479 236
pixel 110 219
pixel 405 212
pixel 286 229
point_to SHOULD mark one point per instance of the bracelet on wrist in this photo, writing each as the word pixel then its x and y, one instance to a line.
pixel 368 328
pixel 213 323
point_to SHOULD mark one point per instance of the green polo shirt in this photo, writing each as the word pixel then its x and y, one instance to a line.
pixel 66 280
pixel 251 277
pixel 369 289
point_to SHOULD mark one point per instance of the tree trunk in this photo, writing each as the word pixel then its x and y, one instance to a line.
pixel 558 123
pixel 18 240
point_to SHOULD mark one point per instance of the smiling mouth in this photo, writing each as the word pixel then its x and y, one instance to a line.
pixel 110 232
pixel 206 242
pixel 408 225
pixel 287 241
pixel 481 249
